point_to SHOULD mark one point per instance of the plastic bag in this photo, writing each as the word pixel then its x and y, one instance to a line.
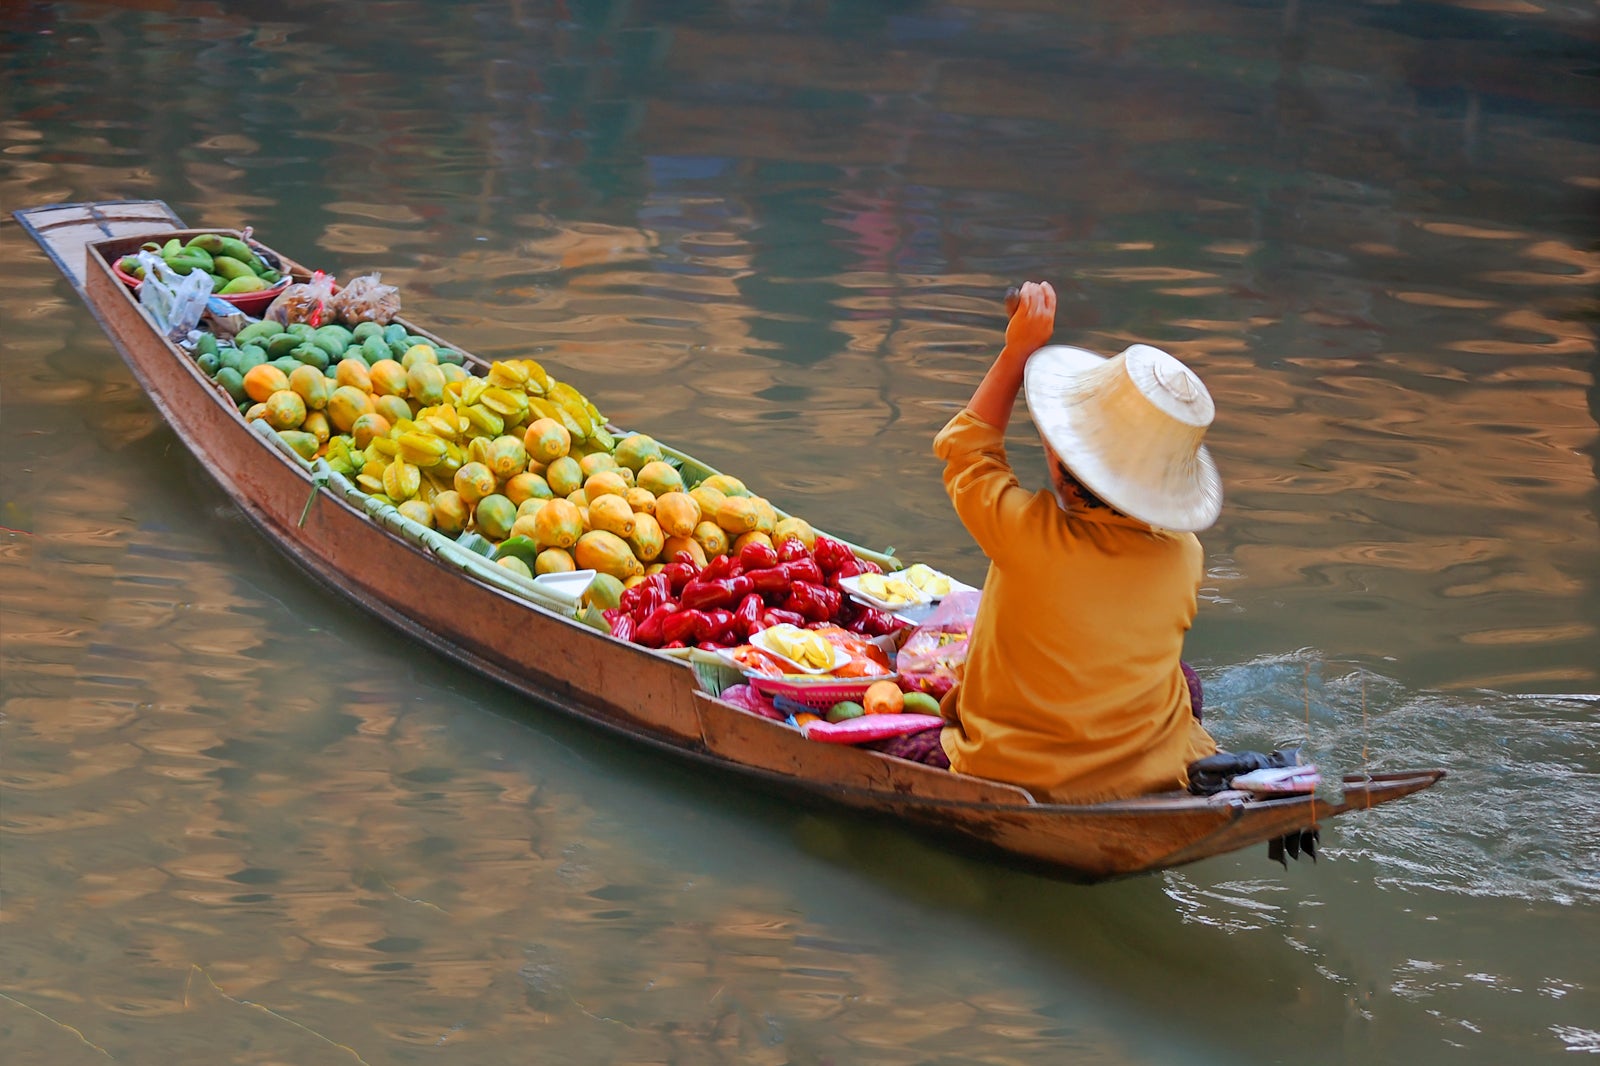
pixel 366 299
pixel 176 301
pixel 931 658
pixel 304 301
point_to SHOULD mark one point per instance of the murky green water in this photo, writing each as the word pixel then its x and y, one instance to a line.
pixel 242 822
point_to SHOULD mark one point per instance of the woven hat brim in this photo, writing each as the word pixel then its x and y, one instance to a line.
pixel 1184 495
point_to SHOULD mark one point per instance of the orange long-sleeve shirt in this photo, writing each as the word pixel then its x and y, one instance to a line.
pixel 1071 687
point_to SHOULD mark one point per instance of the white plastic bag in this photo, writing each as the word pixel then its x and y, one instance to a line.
pixel 176 301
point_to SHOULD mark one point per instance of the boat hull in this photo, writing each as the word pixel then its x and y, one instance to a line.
pixel 645 695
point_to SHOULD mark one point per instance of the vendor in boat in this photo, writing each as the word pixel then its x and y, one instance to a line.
pixel 1073 685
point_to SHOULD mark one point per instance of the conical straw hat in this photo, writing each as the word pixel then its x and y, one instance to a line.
pixel 1130 429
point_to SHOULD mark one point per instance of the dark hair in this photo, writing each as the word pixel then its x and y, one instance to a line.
pixel 1085 497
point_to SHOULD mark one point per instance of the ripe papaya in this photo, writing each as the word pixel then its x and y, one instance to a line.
pixel 547 440
pixel 659 477
pixel 494 516
pixel 647 540
pixel 637 450
pixel 606 553
pixel 611 513
pixel 474 482
pixel 604 483
pixel 559 524
pixel 712 538
pixel 507 456
pixel 678 513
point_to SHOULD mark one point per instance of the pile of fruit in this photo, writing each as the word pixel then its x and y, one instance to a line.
pixel 525 461
pixel 234 266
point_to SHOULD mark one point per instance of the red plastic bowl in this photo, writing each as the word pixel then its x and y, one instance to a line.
pixel 251 303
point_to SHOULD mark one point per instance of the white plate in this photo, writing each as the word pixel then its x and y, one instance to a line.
pixel 852 585
pixel 762 641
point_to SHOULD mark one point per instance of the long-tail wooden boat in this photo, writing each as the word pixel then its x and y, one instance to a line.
pixel 491 622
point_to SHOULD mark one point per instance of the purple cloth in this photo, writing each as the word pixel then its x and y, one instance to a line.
pixel 923 747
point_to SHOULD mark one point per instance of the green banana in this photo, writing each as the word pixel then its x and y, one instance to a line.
pixel 188 264
pixel 171 248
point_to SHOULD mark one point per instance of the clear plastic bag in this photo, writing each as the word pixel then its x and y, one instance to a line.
pixel 304 301
pixel 932 656
pixel 176 301
pixel 366 299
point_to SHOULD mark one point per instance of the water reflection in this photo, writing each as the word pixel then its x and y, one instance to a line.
pixel 242 822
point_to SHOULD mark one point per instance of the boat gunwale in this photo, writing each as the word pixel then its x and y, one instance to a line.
pixel 1226 816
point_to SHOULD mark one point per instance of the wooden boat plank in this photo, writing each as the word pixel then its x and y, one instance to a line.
pixel 647 696
pixel 66 230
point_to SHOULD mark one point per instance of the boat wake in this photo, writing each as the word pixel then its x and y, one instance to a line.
pixel 1516 817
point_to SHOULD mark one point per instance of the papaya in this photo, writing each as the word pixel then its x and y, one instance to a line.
pixel 647 540
pixel 726 484
pixel 530 506
pixel 389 378
pixel 559 524
pixel 353 372
pixel 659 477
pixel 367 427
pixel 737 514
pixel 523 526
pixel 604 483
pixel 605 553
pixel 554 561
pixel 474 482
pixel 678 513
pixel 766 515
pixel 304 444
pixel 612 514
pixel 712 538
pixel 636 450
pixel 425 382
pixel 604 592
pixel 394 408
pixel 285 410
pixel 674 545
pixel 515 565
pixel 564 475
pixel 641 500
pixel 316 424
pixel 312 386
pixel 450 512
pixel 262 381
pixel 419 353
pixel 709 498
pixel 418 511
pixel 580 498
pixel 795 528
pixel 755 536
pixel 525 486
pixel 494 516
pixel 595 462
pixel 507 457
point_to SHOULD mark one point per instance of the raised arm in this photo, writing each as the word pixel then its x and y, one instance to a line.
pixel 1029 330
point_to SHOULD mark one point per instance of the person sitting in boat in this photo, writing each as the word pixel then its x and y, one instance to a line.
pixel 1073 686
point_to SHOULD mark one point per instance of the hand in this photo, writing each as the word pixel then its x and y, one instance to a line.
pixel 1034 320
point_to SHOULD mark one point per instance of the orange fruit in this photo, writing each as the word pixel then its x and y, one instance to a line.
pixel 884 697
pixel 262 380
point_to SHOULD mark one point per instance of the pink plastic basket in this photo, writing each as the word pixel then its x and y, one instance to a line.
pixel 821 692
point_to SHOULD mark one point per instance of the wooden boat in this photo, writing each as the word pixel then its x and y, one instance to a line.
pixel 496 628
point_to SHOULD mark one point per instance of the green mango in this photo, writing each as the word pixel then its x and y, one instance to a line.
pixel 311 354
pixel 394 333
pixel 265 328
pixel 237 249
pixel 281 345
pixel 210 243
pixel 336 333
pixel 363 330
pixel 450 355
pixel 248 283
pixel 206 344
pixel 130 265
pixel 288 364
pixel 232 381
pixel 171 248
pixel 302 330
pixel 374 349
pixel 231 268
pixel 188 262
pixel 250 356
pixel 208 363
pixel 229 357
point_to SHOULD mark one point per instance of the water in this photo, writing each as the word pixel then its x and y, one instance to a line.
pixel 243 822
